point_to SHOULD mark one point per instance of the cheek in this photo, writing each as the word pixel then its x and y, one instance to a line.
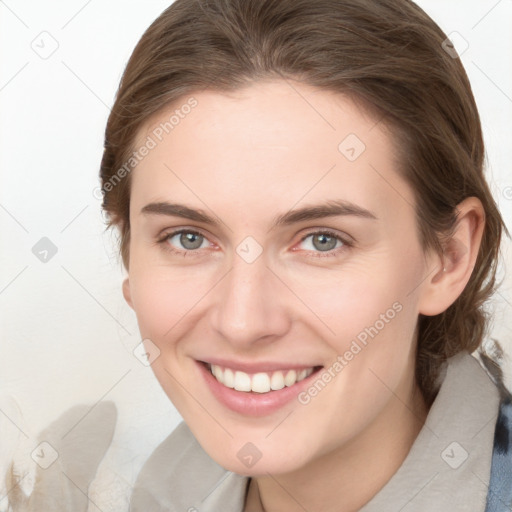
pixel 371 312
pixel 167 303
pixel 370 294
pixel 373 360
pixel 165 299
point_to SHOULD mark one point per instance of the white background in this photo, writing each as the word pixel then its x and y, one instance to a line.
pixel 66 335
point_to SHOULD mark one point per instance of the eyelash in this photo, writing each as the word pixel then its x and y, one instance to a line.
pixel 168 247
pixel 315 254
pixel 333 252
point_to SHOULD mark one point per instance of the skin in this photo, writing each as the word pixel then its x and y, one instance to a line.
pixel 246 158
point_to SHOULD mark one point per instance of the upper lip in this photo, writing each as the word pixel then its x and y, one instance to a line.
pixel 256 367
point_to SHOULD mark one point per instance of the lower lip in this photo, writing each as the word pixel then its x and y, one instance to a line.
pixel 251 403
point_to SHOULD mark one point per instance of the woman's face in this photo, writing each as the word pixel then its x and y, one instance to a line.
pixel 271 236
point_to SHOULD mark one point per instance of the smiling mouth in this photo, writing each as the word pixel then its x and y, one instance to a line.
pixel 262 382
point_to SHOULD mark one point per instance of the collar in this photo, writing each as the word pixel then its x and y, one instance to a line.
pixel 448 465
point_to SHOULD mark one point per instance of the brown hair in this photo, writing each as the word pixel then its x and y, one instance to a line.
pixel 386 53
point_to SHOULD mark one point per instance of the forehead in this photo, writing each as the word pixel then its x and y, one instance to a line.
pixel 267 112
pixel 270 143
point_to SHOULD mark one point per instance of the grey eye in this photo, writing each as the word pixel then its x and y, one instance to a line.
pixel 191 240
pixel 322 242
pixel 188 240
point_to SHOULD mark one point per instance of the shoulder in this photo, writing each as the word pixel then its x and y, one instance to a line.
pixel 449 465
pixel 499 496
pixel 180 476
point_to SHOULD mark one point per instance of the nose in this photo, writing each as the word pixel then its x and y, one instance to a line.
pixel 250 305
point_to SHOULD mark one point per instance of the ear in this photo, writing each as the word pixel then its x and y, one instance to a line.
pixel 453 268
pixel 127 292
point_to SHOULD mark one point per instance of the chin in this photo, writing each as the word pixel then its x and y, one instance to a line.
pixel 248 460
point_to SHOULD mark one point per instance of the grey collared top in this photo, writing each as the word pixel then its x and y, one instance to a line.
pixel 446 469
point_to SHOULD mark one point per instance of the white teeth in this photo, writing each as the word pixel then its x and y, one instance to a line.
pixel 217 372
pixel 291 378
pixel 242 381
pixel 229 378
pixel 259 382
pixel 277 381
pixel 301 375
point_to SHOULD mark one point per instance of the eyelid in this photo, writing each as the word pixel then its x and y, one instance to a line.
pixel 166 234
pixel 346 240
pixel 171 231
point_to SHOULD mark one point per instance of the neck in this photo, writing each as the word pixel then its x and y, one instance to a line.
pixel 348 477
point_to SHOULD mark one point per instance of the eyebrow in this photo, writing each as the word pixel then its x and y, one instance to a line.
pixel 328 209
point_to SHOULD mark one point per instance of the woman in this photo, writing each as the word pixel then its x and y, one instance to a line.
pixel 309 240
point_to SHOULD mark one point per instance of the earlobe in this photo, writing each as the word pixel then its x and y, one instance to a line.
pixel 127 292
pixel 452 269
